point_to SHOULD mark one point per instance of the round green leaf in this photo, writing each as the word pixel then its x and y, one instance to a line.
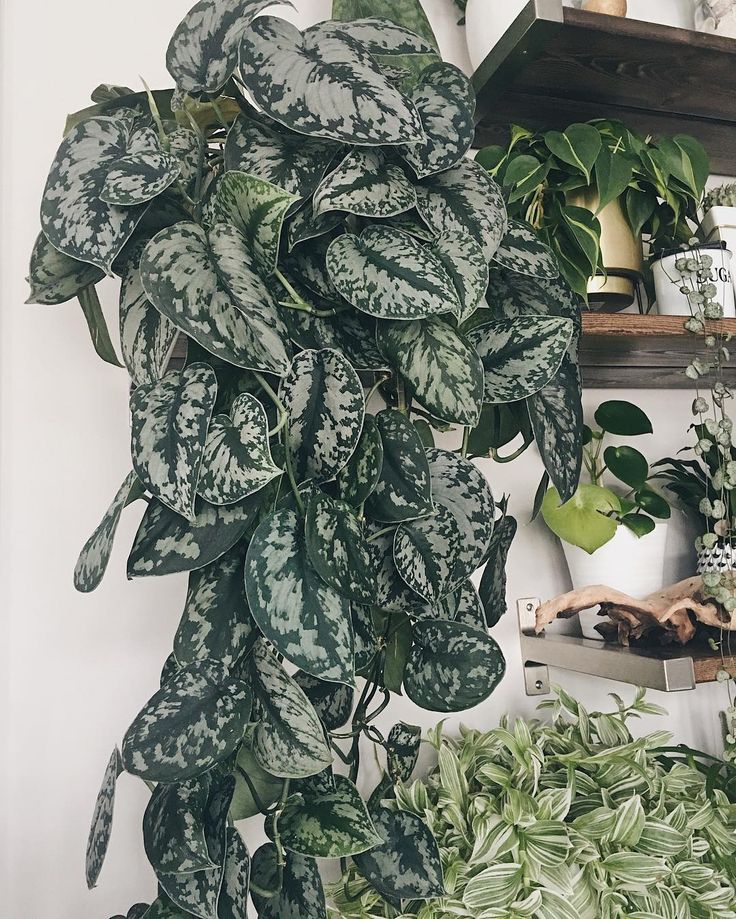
pixel 639 524
pixel 402 750
pixel 628 465
pixel 300 894
pixel 653 503
pixel 174 827
pixel 622 418
pixel 267 786
pixel 583 520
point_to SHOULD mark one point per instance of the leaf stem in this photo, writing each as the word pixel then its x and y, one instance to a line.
pixel 263 808
pixel 496 456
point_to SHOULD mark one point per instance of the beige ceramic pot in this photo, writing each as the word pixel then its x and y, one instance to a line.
pixel 609 7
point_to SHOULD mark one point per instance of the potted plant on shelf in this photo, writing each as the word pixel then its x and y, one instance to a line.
pixel 610 538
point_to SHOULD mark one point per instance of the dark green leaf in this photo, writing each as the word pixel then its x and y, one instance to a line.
pixel 622 418
pixel 627 465
pixel 55 277
pixel 233 901
pixel 654 504
pixel 613 173
pixel 523 252
pixel 333 702
pixel 99 832
pixel 579 147
pixel 396 653
pixel 300 896
pixel 404 489
pixel 492 588
pixel 427 553
pixel 174 827
pixel 267 787
pixel 98 332
pixel 358 480
pixel 639 524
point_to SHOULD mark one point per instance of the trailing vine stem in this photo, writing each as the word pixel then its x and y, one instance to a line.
pixel 298 302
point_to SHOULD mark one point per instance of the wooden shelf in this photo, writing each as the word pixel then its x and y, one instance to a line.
pixel 555 66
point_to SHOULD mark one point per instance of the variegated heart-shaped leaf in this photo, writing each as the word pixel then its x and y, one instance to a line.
pixel 203 51
pixel 520 355
pixel 332 825
pixel 168 433
pixel 257 209
pixel 307 83
pixel 323 397
pixel 412 223
pixel 451 667
pixel 166 543
pixel 291 161
pixel 338 549
pixel 366 641
pixel 523 252
pixel 366 185
pixel 388 274
pixel 466 199
pixel 95 555
pixel 289 739
pixel 184 146
pixel 143 173
pixel 492 590
pixel 404 490
pixel 55 277
pixel 305 225
pixel 462 605
pixel 192 723
pixel 174 827
pixel 402 750
pixel 305 619
pixel 426 554
pixel 237 456
pixel 333 702
pixel 351 332
pixel 441 367
pixel 99 832
pixel 358 480
pixel 233 901
pixel 464 261
pixel 511 295
pixel 207 285
pixel 445 101
pixel 216 622
pixel 266 786
pixel 161 908
pixel 381 37
pixel 406 865
pixel 392 593
pixel 300 894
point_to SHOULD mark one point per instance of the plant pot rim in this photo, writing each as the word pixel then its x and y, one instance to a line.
pixel 680 250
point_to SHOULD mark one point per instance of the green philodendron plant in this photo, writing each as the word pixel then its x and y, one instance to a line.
pixel 300 215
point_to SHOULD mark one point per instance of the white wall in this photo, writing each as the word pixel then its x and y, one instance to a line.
pixel 77 668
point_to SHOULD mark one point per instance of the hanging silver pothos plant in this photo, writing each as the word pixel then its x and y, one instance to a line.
pixel 324 250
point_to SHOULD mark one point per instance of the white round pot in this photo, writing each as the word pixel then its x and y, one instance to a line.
pixel 627 563
pixel 667 282
pixel 719 225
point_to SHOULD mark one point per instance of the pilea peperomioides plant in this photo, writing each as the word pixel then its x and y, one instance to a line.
pixel 300 215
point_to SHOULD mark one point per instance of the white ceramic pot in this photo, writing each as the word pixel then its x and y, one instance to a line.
pixel 719 225
pixel 678 13
pixel 667 282
pixel 627 563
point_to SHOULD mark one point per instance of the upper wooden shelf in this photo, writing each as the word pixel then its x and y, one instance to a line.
pixel 556 65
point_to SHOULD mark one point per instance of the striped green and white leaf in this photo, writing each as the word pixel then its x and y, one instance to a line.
pixel 426 554
pixel 192 723
pixel 168 433
pixel 465 199
pixel 338 550
pixel 358 480
pixel 303 617
pixel 233 900
pixel 523 252
pixel 366 185
pixel 520 356
pixel 56 278
pixel 305 225
pixel 203 51
pixel 323 397
pixel 289 740
pixel 237 457
pixel 257 208
pixel 451 667
pixel 267 787
pixel 392 593
pixel 300 895
pixel 166 543
pixel 404 490
pixel 633 870
pixel 497 886
pixel 445 101
pixel 332 825
pixel 307 82
pixel 291 161
pixel 216 622
pixel 406 864
pixel 442 367
pixel 333 702
pixel 464 261
pixel 492 589
pixel 461 488
pixel 101 827
pixel 389 274
pixel 208 286
pixel 95 555
pixel 74 217
pixel 174 827
pixel 402 750
pixel 143 173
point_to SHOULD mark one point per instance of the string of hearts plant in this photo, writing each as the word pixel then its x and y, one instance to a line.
pixel 300 215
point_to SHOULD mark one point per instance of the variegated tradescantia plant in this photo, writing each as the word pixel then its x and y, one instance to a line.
pixel 299 214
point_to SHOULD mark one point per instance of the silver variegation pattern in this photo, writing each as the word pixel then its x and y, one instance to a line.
pixel 462 605
pixel 174 827
pixel 333 702
pixel 352 332
pixel 143 173
pixel 366 185
pixel 55 277
pixel 464 261
pixel 338 550
pixel 404 489
pixel 359 478
pixel 523 252
pixel 392 592
pixel 99 833
pixel 305 225
pixel 301 895
pixel 233 900
pixel 383 37
pixel 402 750
pixel 426 554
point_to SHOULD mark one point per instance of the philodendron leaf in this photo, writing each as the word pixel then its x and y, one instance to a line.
pixel 523 252
pixel 493 583
pixel 333 702
pixel 174 827
pixel 465 199
pixel 94 557
pixel 426 554
pixel 55 277
pixel 307 83
pixel 520 356
pixel 203 51
pixel 464 261
pixel 332 825
pixel 584 520
pixel 366 185
pixel 168 433
pixel 99 832
pixel 267 787
pixel 406 864
pixel 402 750
pixel 233 900
pixel 358 480
pixel 289 739
pixel 237 455
pixel 300 895
pixel 578 146
pixel 451 667
pixel 192 723
pixel 404 490
pixel 442 368
pixel 324 400
pixel 293 162
pixel 338 549
pixel 306 620
pixel 388 274
pixel 445 101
